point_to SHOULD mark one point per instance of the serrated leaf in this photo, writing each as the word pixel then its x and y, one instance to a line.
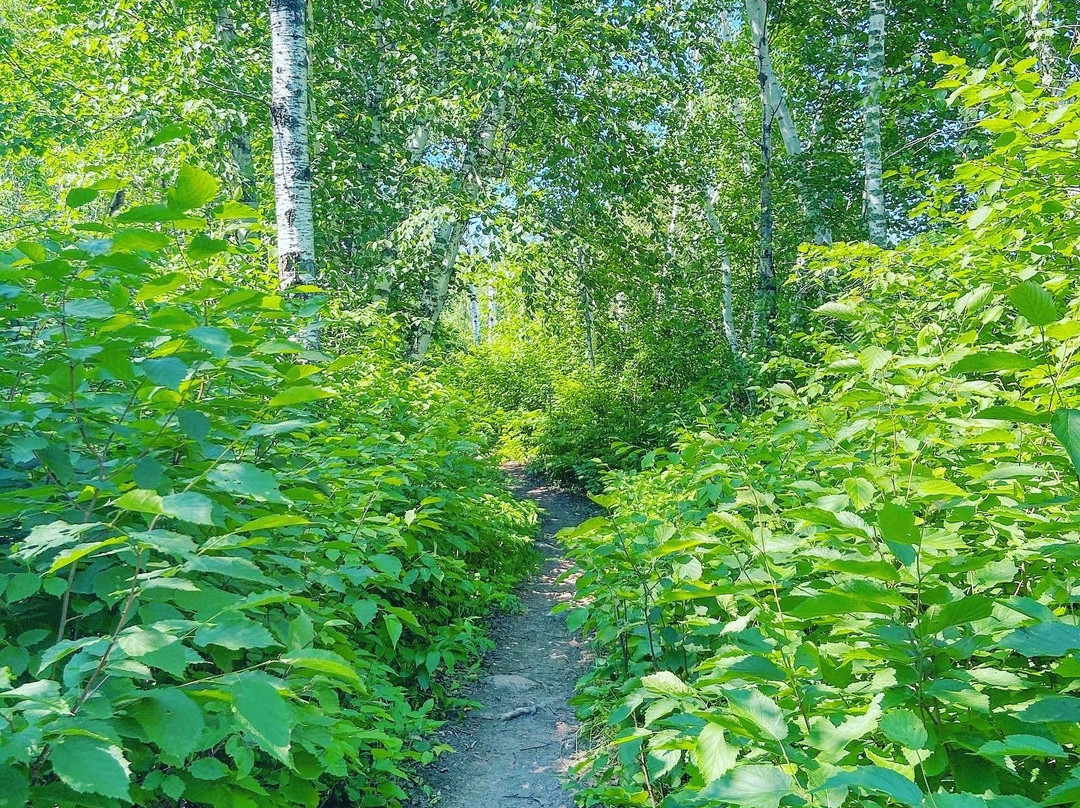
pixel 246 480
pixel 750 786
pixel 172 721
pixel 713 755
pixel 879 780
pixel 666 683
pixel 300 395
pixel 91 765
pixel 77 197
pixel 905 728
pixel 193 188
pixel 321 661
pixel 1034 303
pixel 1049 639
pixel 264 714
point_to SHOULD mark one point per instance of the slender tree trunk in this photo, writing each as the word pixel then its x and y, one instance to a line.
pixel 764 321
pixel 433 298
pixel 587 312
pixel 774 99
pixel 875 67
pixel 727 312
pixel 292 162
pixel 1041 34
pixel 493 311
pixel 474 313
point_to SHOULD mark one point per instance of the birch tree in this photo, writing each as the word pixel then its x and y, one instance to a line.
pixel 775 100
pixel 292 161
pixel 875 68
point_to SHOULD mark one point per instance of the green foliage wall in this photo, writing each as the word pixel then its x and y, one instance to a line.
pixel 864 594
pixel 237 572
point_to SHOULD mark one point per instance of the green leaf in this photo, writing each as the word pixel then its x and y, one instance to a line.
pixel 666 683
pixel 203 247
pixel 270 522
pixel 905 728
pixel 91 765
pixel 169 133
pixel 215 340
pixel 759 709
pixel 323 662
pixel 750 786
pixel 263 713
pixel 992 361
pixel 236 210
pixel 246 480
pixel 141 500
pixel 236 635
pixel 713 755
pixel 897 524
pixel 1052 710
pixel 1049 639
pixel 193 189
pixel 1020 415
pixel 77 197
pixel 1034 303
pixel 88 309
pixel 1022 746
pixel 14 787
pixel 190 507
pixel 300 395
pixel 166 372
pixel 979 216
pixel 393 628
pixel 1065 424
pixel 208 768
pixel 172 721
pixel 365 611
pixel 958 612
pixel 880 780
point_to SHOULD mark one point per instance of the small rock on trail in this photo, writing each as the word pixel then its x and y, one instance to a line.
pixel 513 751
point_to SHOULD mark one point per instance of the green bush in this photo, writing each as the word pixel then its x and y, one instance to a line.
pixel 241 572
pixel 866 594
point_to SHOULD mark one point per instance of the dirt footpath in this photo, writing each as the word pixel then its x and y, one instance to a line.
pixel 512 751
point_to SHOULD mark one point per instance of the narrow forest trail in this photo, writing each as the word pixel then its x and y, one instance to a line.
pixel 504 762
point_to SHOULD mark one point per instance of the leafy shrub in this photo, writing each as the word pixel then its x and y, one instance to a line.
pixel 865 594
pixel 241 572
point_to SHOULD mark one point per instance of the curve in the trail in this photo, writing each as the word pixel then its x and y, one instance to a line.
pixel 513 751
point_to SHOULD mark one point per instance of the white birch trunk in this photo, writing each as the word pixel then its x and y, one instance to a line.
pixel 474 314
pixel 1041 34
pixel 763 324
pixel 875 68
pixel 727 311
pixel 292 162
pixel 774 100
pixel 493 311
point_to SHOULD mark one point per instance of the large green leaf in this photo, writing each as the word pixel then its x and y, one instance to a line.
pixel 91 765
pixel 879 780
pixel 713 755
pixel 990 361
pixel 1048 639
pixel 905 728
pixel 246 480
pixel 172 721
pixel 193 189
pixel 263 713
pixel 750 786
pixel 1065 424
pixel 1035 303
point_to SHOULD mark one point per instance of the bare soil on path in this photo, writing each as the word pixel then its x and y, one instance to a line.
pixel 513 751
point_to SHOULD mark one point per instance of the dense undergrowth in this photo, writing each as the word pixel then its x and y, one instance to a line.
pixel 241 572
pixel 865 592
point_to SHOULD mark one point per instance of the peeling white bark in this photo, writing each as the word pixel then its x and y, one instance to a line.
pixel 1041 35
pixel 875 68
pixel 775 102
pixel 292 162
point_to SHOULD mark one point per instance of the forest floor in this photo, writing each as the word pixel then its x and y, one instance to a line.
pixel 513 750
